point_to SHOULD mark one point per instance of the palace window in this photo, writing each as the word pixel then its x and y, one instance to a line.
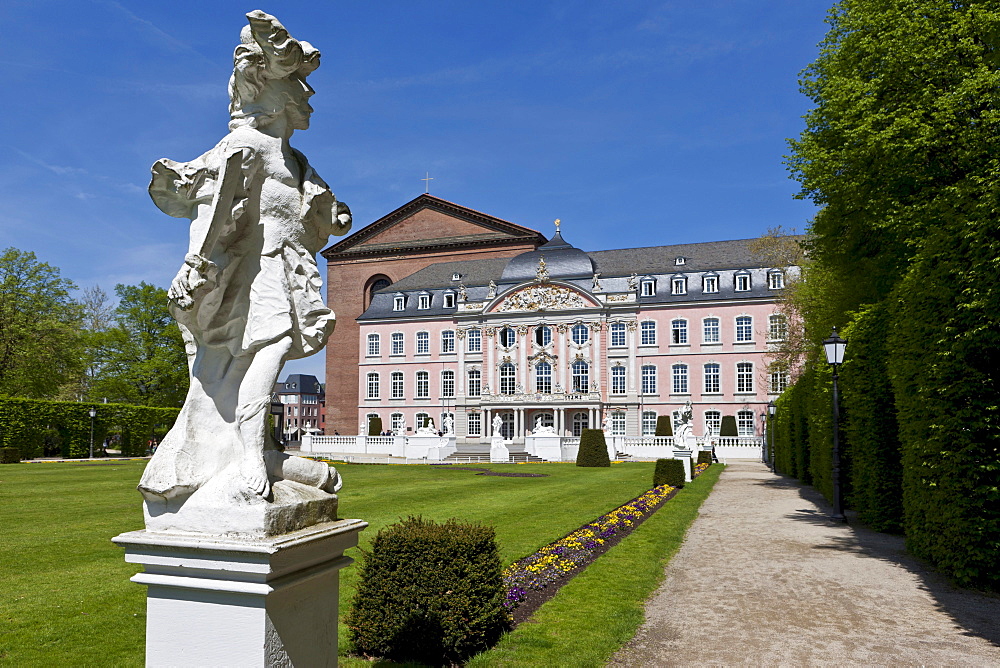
pixel 648 423
pixel 581 334
pixel 744 378
pixel 396 381
pixel 475 387
pixel 449 300
pixel 649 379
pixel 745 423
pixel 742 282
pixel 543 335
pixel 581 421
pixel 475 424
pixel 423 343
pixel 373 386
pixel 447 383
pixel 778 381
pixel 679 332
pixel 618 424
pixel 581 376
pixel 617 334
pixel 424 302
pixel 543 378
pixel 508 382
pixel 776 280
pixel 712 384
pixel 421 419
pixel 507 337
pixel 709 284
pixel 423 385
pixel 777 327
pixel 744 329
pixel 710 330
pixel 448 341
pixel 647 333
pixel 647 288
pixel 398 303
pixel 680 379
pixel 713 422
pixel 397 343
pixel 373 345
pixel 396 422
pixel 474 341
pixel 678 286
pixel 617 380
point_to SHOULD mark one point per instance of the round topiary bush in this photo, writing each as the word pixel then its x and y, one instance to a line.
pixel 593 449
pixel 669 472
pixel 429 593
pixel 664 426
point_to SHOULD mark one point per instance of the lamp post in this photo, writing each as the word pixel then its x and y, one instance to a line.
pixel 772 408
pixel 92 413
pixel 834 348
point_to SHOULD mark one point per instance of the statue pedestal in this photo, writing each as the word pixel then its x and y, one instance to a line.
pixel 685 457
pixel 216 600
pixel 498 451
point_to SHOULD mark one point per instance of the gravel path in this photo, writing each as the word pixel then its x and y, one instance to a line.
pixel 764 578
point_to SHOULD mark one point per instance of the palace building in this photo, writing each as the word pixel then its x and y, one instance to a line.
pixel 556 337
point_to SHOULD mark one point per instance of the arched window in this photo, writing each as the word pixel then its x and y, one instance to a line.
pixel 373 385
pixel 745 423
pixel 744 328
pixel 680 384
pixel 396 422
pixel 507 378
pixel 649 379
pixel 374 348
pixel 679 331
pixel 581 376
pixel 647 333
pixel 447 383
pixel 777 327
pixel 375 283
pixel 397 343
pixel 617 380
pixel 617 334
pixel 713 423
pixel 423 385
pixel 543 378
pixel 581 421
pixel 543 335
pixel 396 381
pixel 475 386
pixel 649 423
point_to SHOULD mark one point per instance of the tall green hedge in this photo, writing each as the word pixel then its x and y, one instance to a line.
pixel 728 426
pixel 25 424
pixel 870 425
pixel 375 426
pixel 669 472
pixel 593 449
pixel 664 425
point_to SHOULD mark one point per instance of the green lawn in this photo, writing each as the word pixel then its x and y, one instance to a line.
pixel 65 597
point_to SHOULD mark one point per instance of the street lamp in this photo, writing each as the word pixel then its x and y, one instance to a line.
pixel 834 348
pixel 772 408
pixel 92 413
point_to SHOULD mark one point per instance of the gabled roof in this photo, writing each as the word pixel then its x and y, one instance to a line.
pixel 480 230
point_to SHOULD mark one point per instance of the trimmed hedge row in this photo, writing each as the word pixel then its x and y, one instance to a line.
pixel 33 425
pixel 593 449
pixel 669 472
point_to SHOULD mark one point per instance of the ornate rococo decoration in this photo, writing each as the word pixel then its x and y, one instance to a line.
pixel 540 298
pixel 489 331
pixel 562 328
pixel 630 325
pixel 620 298
pixel 596 326
pixel 522 330
pixel 460 333
pixel 542 274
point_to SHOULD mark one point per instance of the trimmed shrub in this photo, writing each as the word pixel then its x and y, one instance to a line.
pixel 728 426
pixel 664 426
pixel 429 593
pixel 10 456
pixel 669 472
pixel 704 457
pixel 374 426
pixel 593 449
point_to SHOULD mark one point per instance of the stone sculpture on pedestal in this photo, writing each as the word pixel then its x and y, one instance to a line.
pixel 242 542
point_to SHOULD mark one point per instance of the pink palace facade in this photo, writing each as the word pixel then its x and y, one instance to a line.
pixel 566 339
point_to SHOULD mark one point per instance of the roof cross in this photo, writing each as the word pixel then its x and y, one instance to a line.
pixel 427 182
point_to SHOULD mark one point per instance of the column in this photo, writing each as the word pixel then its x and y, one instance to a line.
pixel 522 358
pixel 489 340
pixel 460 372
pixel 631 372
pixel 488 423
pixel 564 359
pixel 596 365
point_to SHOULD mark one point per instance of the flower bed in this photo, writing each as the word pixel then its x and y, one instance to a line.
pixel 532 581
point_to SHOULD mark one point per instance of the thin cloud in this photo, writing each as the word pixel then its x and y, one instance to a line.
pixel 157 33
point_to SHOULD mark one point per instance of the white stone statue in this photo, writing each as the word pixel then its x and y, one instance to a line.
pixel 683 427
pixel 428 428
pixel 542 430
pixel 492 292
pixel 248 296
pixel 596 285
pixel 497 426
pixel 449 424
pixel 633 281
pixel 606 425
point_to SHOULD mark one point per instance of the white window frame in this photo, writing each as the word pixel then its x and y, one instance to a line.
pixel 449 300
pixel 648 378
pixel 423 387
pixel 508 378
pixel 744 378
pixel 511 337
pixel 617 335
pixel 776 280
pixel 448 341
pixel 580 420
pixel 618 380
pixel 711 378
pixel 543 378
pixel 580 376
pixel 398 303
pixel 397 385
pixel 423 343
pixel 647 288
pixel 679 332
pixel 744 329
pixel 475 424
pixel 678 285
pixel 710 284
pixel 648 423
pixel 397 344
pixel 679 380
pixel 618 423
pixel 578 338
pixel 374 348
pixel 543 335
pixel 447 383
pixel 423 302
pixel 711 326
pixel 746 423
pixel 373 385
pixel 647 333
pixel 474 380
pixel 713 423
pixel 742 282
pixel 474 340
pixel 421 419
pixel 777 327
pixel 778 381
pixel 396 422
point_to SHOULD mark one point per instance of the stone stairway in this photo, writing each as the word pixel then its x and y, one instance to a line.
pixel 524 457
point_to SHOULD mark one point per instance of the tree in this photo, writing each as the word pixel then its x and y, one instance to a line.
pixel 40 343
pixel 141 359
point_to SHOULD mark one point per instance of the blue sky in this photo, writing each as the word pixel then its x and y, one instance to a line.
pixel 636 123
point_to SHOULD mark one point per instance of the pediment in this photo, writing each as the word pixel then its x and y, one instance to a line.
pixel 543 297
pixel 428 222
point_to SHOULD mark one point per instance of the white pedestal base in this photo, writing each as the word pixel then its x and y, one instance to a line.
pixel 217 601
pixel 685 457
pixel 498 451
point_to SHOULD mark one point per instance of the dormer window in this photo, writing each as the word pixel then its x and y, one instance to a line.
pixel 449 300
pixel 776 279
pixel 678 285
pixel 456 276
pixel 710 284
pixel 423 302
pixel 680 260
pixel 398 303
pixel 647 288
pixel 743 282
